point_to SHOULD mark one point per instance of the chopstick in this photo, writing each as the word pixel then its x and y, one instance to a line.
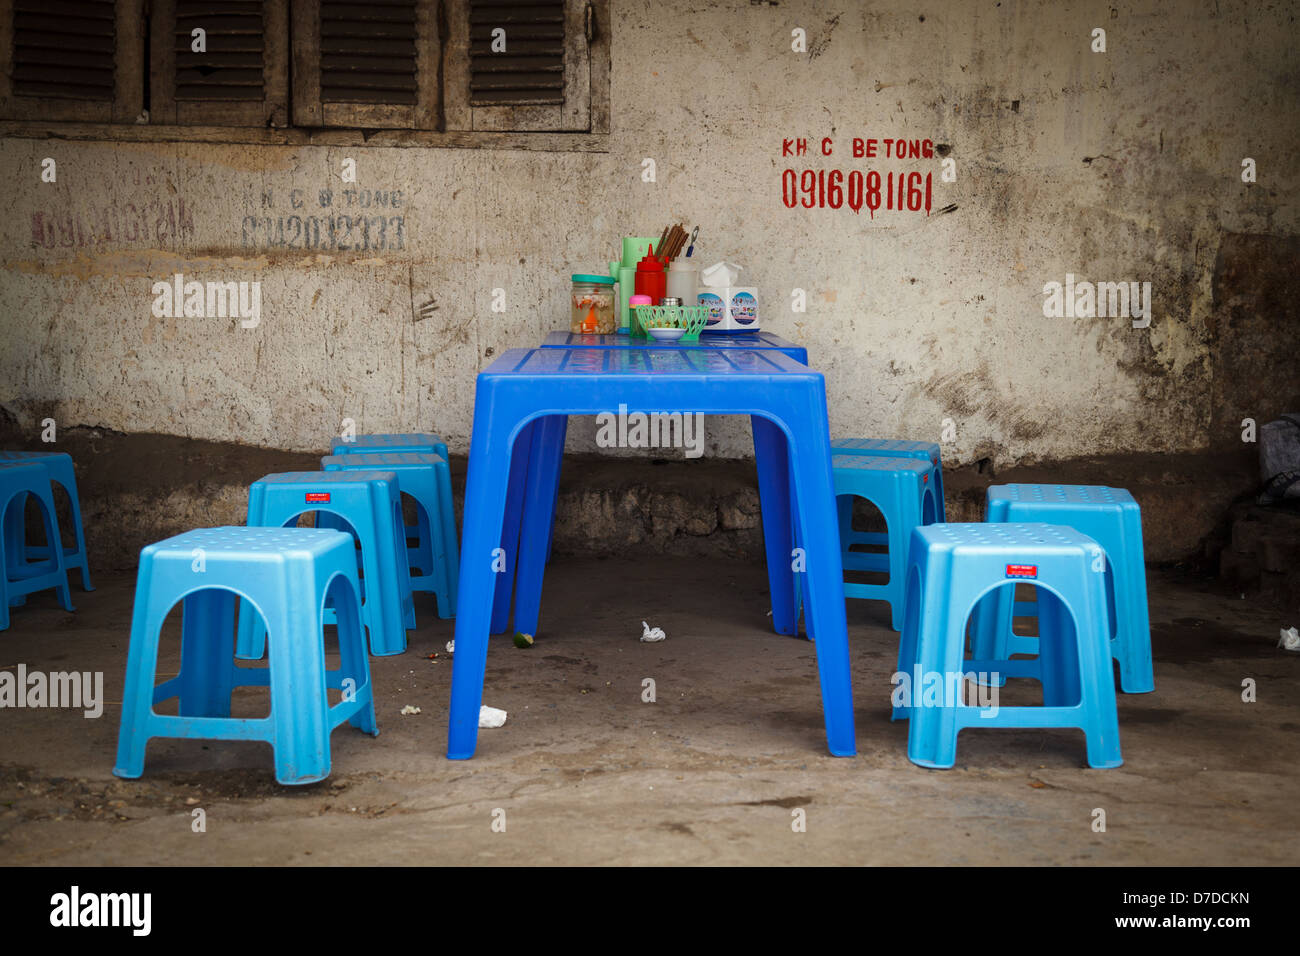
pixel 675 237
pixel 670 243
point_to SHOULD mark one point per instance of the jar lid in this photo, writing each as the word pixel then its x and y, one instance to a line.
pixel 598 280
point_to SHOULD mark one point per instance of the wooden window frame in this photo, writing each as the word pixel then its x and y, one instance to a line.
pixel 128 75
pixel 272 111
pixel 197 122
pixel 310 111
pixel 586 78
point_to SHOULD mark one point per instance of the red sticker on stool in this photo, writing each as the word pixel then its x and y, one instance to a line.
pixel 1022 570
pixel 318 497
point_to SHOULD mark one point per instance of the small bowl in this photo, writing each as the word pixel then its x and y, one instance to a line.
pixel 667 335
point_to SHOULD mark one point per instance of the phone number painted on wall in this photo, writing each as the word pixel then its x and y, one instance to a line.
pixel 857 190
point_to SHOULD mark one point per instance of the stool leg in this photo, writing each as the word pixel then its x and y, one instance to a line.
pixel 207 675
pixel 70 487
pixel 518 477
pixel 433 553
pixel 814 497
pixel 907 512
pixel 450 540
pixel 6 546
pixel 486 487
pixel 844 506
pixel 352 649
pixel 402 565
pixel 426 548
pixel 383 607
pixel 15 531
pixel 932 734
pixel 141 666
pixel 51 520
pixel 299 705
pixel 539 500
pixel 250 638
pixel 771 456
pixel 1058 652
pixel 909 639
pixel 1132 646
pixel 931 506
pixel 1097 680
pixel 991 626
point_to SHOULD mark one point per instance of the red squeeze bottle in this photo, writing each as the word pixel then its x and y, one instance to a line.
pixel 650 278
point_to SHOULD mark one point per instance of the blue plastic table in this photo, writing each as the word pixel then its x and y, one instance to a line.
pixel 739 340
pixel 520 407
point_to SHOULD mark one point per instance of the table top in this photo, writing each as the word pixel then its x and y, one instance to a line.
pixel 739 340
pixel 655 362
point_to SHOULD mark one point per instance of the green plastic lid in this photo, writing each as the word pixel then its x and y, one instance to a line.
pixel 599 280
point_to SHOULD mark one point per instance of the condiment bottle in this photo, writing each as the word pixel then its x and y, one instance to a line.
pixel 650 279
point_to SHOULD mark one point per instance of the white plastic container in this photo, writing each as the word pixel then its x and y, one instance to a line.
pixel 732 307
pixel 683 280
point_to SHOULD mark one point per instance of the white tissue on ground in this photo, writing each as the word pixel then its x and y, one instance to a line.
pixel 451 647
pixel 408 710
pixel 490 717
pixel 650 635
pixel 1290 639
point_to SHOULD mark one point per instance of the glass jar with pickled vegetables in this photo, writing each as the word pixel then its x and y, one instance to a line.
pixel 593 310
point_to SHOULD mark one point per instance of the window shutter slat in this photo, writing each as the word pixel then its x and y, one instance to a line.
pixel 240 78
pixel 64 60
pixel 366 64
pixel 540 81
pixel 530 71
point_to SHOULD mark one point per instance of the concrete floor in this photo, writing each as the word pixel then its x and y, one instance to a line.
pixel 711 773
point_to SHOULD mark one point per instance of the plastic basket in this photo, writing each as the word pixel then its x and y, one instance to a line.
pixel 688 317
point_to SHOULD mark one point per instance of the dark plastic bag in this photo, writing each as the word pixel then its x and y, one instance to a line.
pixel 1279 459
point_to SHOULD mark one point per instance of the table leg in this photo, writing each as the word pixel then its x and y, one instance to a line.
pixel 772 458
pixel 801 579
pixel 814 499
pixel 539 510
pixel 510 529
pixel 486 487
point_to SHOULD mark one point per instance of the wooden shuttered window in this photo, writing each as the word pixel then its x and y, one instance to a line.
pixel 71 60
pixel 359 64
pixel 366 63
pixel 241 78
pixel 543 78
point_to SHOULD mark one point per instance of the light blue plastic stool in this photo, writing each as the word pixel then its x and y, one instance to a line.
pixel 60 470
pixel 890 448
pixel 1113 519
pixel 427 479
pixel 951 567
pixel 903 490
pixel 370 503
pixel 420 443
pixel 18 578
pixel 289 575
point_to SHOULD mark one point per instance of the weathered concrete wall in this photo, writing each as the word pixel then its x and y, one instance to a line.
pixel 1123 165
